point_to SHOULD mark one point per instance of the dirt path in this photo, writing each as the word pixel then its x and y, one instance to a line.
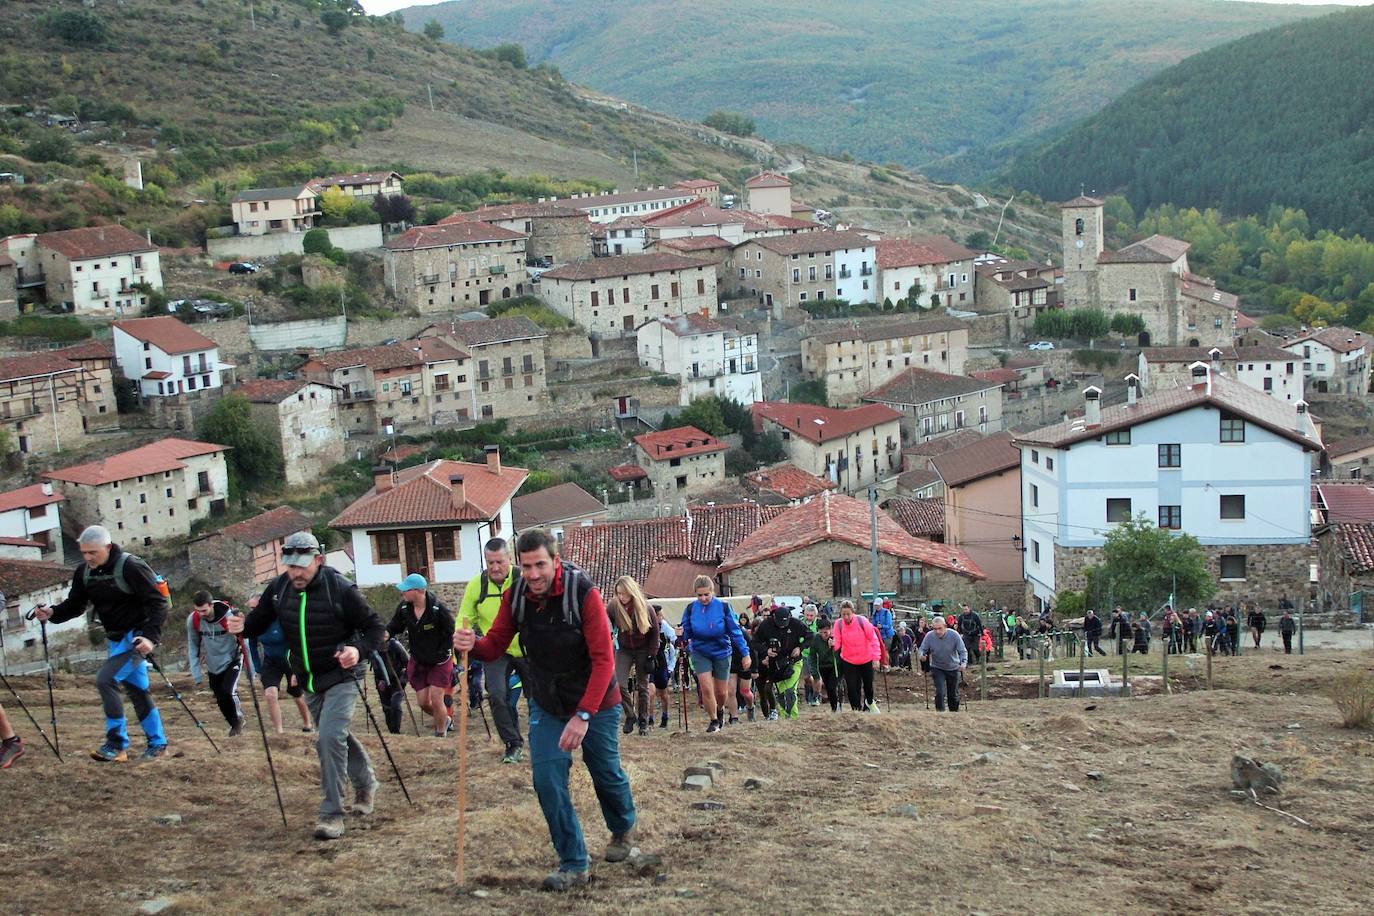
pixel 1157 832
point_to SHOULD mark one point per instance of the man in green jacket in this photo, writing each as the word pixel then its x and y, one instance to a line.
pixel 827 663
pixel 481 601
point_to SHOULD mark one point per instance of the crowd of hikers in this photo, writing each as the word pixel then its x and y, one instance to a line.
pixel 532 625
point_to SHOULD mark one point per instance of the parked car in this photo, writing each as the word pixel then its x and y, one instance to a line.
pixel 243 267
pixel 1040 345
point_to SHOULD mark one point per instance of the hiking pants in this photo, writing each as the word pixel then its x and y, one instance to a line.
pixel 1287 643
pixel 636 704
pixel 767 697
pixel 341 756
pixel 503 709
pixel 831 679
pixel 1095 644
pixel 946 688
pixel 126 667
pixel 551 767
pixel 856 676
pixel 787 693
pixel 225 687
pixel 392 700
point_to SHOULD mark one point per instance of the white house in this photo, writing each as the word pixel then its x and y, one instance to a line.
pixel 1216 459
pixel 98 270
pixel 167 357
pixel 1272 370
pixel 942 267
pixel 612 205
pixel 259 211
pixel 709 358
pixel 31 523
pixel 430 519
pixel 25 583
pixel 855 270
pixel 1336 360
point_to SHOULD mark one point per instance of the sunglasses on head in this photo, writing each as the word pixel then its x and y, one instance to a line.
pixel 298 551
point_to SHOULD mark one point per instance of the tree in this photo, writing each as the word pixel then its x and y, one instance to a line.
pixel 1127 324
pixel 730 122
pixel 1142 563
pixel 978 240
pixel 335 204
pixel 1316 312
pixel 510 53
pixel 335 21
pixel 433 30
pixel 394 208
pixel 254 458
pixel 75 26
pixel 316 241
pixel 51 146
pixel 767 447
pixel 810 392
pixel 1090 323
pixel 705 415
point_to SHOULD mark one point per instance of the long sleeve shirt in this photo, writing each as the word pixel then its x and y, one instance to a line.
pixel 857 641
pixel 946 652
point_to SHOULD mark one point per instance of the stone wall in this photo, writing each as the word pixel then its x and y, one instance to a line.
pixel 247 247
pixel 988 330
pixel 571 396
pixel 569 343
pixel 222 562
pixel 238 341
pixel 315 333
pixel 808 572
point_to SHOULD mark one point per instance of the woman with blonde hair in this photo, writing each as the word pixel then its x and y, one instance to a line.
pixel 712 632
pixel 638 641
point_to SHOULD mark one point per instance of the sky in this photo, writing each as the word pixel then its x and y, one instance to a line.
pixel 378 7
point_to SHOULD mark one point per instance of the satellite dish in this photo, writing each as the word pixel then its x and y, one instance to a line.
pixel 1079 243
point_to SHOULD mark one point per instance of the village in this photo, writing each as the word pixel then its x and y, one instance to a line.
pixel 552 363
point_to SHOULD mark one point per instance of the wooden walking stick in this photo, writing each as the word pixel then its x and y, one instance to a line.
pixel 462 762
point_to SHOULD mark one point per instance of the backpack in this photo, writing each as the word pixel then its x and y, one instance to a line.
pixel 195 615
pixel 486 583
pixel 119 579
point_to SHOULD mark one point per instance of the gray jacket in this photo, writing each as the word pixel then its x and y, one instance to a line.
pixel 221 649
pixel 947 654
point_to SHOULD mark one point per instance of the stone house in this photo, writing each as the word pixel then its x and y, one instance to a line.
pixel 455 266
pixel 681 462
pixel 31 523
pixel 176 370
pixel 1020 291
pixel 704 188
pixel 554 233
pixel 9 287
pixel 147 495
pixel 708 357
pixel 405 385
pixel 259 211
pixel 982 509
pixel 768 192
pixel 854 357
pixel 942 267
pixel 824 549
pixel 699 219
pixel 303 417
pixel 25 583
pixel 786 271
pixel 785 484
pixel 40 403
pixel 361 184
pixel 1335 360
pixel 612 296
pixel 506 356
pixel 710 249
pixel 99 410
pixel 1264 368
pixel 1349 459
pixel 854 448
pixel 1345 564
pixel 98 270
pixel 246 554
pixel 920 517
pixel 430 519
pixel 557 509
pixel 934 404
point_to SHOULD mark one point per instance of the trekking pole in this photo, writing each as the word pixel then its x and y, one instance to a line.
pixel 47 664
pixel 262 727
pixel 177 695
pixel 395 680
pixel 367 707
pixel 462 765
pixel 482 711
pixel 24 707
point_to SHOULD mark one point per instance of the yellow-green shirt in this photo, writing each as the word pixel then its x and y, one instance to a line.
pixel 471 611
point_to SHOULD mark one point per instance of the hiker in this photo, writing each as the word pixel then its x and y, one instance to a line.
pixel 948 656
pixel 1092 633
pixel 904 644
pixel 827 663
pixel 1287 627
pixel 639 636
pixel 665 663
pixel 1192 630
pixel 1173 628
pixel 811 677
pixel 206 635
pixel 481 601
pixel 971 627
pixel 1214 633
pixel 11 745
pixel 268 653
pixel 1232 631
pixel 569 678
pixel 712 631
pixel 882 619
pixel 331 629
pixel 1120 630
pixel 856 642
pixel 1256 622
pixel 781 638
pixel 740 690
pixel 124 592
pixel 1142 635
pixel 387 668
pixel 428 625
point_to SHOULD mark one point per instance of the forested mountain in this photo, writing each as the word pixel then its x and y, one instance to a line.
pixel 948 88
pixel 1285 116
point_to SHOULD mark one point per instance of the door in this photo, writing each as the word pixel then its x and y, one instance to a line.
pixel 840 582
pixel 417 553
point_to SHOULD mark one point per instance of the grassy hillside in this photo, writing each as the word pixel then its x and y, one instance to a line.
pixel 1281 117
pixel 942 87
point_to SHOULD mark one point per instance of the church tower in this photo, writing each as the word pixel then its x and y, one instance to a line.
pixel 1082 218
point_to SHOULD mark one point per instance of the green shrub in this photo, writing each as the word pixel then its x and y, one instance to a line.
pixel 76 26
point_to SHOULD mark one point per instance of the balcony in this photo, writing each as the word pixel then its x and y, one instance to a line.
pixel 865 271
pixel 846 274
pixel 357 394
pixel 26 279
pixel 496 269
pixel 429 279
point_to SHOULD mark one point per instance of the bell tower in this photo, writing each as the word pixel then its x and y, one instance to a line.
pixel 1082 219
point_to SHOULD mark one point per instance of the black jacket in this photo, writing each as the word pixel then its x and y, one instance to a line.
pixel 336 615
pixel 1288 625
pixel 970 624
pixel 141 611
pixel 431 636
pixel 1092 627
pixel 792 634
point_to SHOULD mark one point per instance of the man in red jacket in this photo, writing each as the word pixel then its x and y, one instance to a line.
pixel 568 672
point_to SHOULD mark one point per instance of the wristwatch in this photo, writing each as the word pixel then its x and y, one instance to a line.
pixel 584 715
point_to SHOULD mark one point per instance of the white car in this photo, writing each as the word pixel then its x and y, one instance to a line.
pixel 1040 345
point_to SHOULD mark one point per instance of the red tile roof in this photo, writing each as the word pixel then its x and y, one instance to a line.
pixel 1345 502
pixel 422 495
pixel 154 458
pixel 883 329
pixel 21 542
pixel 273 390
pixel 1342 340
pixel 504 212
pixel 466 232
pixel 34 366
pixel 696 184
pixel 91 349
pixel 1081 201
pixel 1342 447
pixel 922 450
pixel 827 240
pixel 768 180
pixel 1157 249
pixel 788 481
pixel 921 386
pixel 920 518
pixel 997 376
pixel 157 375
pixel 30 497
pixel 833 517
pixel 1356 544
pixel 19 578
pixel 695 243
pixel 691 324
pixel 679 442
pixel 621 265
pixel 95 242
pixel 822 424
pixel 388 356
pixel 1244 322
pixel 401 453
pixel 624 473
pixel 992 455
pixel 675 577
pixel 166 333
pixel 553 504
pixel 271 525
pixel 917 478
pixel 918 252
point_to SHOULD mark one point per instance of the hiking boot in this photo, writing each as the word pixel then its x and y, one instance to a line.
pixel 10 751
pixel 153 751
pixel 621 846
pixel 365 799
pixel 112 751
pixel 329 828
pixel 773 715
pixel 566 880
pixel 514 753
pixel 307 730
pixel 734 720
pixel 644 726
pixel 663 722
pixel 713 727
pixel 873 707
pixel 628 727
pixel 237 729
pixel 750 712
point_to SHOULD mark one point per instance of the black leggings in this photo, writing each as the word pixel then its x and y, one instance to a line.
pixel 854 676
pixel 225 687
pixel 831 679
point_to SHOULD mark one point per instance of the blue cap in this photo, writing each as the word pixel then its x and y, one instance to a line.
pixel 412 581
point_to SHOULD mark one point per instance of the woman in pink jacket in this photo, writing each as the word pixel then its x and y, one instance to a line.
pixel 857 642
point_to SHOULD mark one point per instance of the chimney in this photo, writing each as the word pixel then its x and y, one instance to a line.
pixel 1214 355
pixel 455 483
pixel 1092 405
pixel 1201 375
pixel 1132 389
pixel 382 479
pixel 493 453
pixel 47 489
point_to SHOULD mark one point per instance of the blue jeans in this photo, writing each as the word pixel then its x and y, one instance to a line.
pixel 946 687
pixel 551 766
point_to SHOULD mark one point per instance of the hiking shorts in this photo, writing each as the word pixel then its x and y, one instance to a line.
pixel 422 676
pixel 272 673
pixel 718 668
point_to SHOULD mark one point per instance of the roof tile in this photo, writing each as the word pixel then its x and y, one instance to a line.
pixel 271 525
pixel 822 424
pixel 679 442
pixel 621 265
pixel 553 504
pixel 95 242
pixel 422 494
pixel 153 458
pixel 166 333
pixel 988 456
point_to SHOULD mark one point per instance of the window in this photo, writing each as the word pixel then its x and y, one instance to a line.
pixel 388 547
pixel 1233 566
pixel 911 582
pixel 1233 507
pixel 681 482
pixel 203 481
pixel 1232 429
pixel 1268 383
pixel 1035 456
pixel 1170 455
pixel 653 291
pixel 1118 510
pixel 1131 293
pixel 1171 517
pixel 1118 437
pixel 796 275
pixel 442 539
pixel 1034 496
pixel 1049 463
pixel 1035 551
pixel 840 578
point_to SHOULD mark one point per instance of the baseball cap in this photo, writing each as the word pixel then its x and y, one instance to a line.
pixel 412 581
pixel 300 548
